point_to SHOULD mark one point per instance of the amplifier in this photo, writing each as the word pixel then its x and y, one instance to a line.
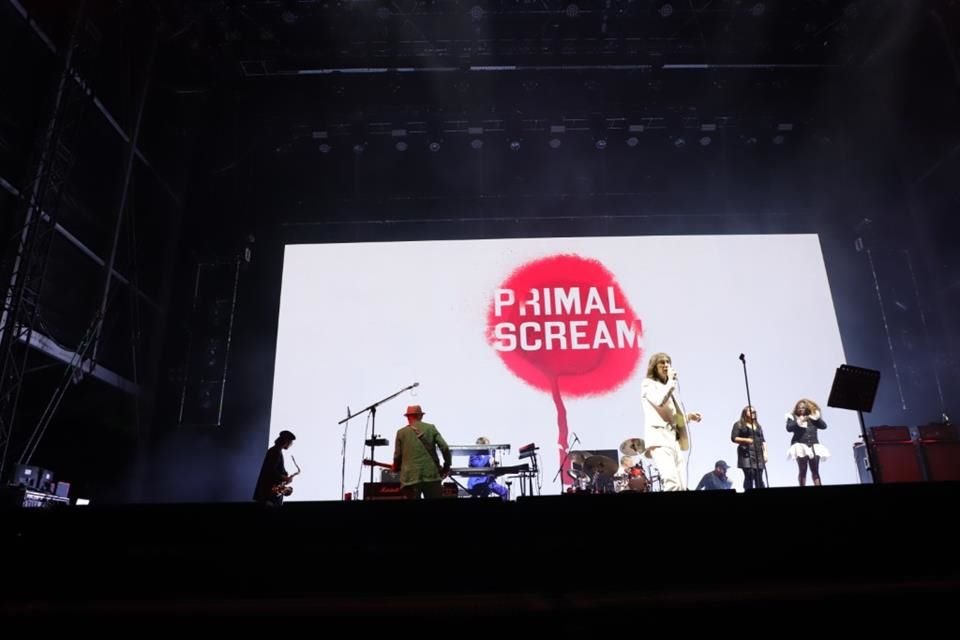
pixel 26 476
pixel 942 458
pixel 384 491
pixel 63 489
pixel 897 462
pixel 393 491
pixel 938 433
pixel 890 434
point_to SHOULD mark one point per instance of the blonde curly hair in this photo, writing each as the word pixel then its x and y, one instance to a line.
pixel 813 406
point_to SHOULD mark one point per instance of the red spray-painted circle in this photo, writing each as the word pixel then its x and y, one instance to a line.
pixel 569 324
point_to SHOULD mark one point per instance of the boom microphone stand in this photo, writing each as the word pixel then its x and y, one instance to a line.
pixel 758 453
pixel 566 456
pixel 374 440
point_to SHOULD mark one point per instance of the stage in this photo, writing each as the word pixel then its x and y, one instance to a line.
pixel 556 560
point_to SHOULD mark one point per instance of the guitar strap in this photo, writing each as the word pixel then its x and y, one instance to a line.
pixel 431 451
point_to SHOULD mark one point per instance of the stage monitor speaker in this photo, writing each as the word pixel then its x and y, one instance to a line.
pixel 854 388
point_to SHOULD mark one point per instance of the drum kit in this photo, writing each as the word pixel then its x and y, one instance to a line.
pixel 601 474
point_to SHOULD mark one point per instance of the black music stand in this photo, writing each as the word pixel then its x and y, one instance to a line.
pixel 855 388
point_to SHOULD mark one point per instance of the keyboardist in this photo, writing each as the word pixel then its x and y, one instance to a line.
pixel 483 486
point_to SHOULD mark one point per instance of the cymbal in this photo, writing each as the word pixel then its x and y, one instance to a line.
pixel 600 464
pixel 577 457
pixel 632 447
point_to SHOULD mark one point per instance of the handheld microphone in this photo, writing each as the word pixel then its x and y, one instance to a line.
pixel 742 358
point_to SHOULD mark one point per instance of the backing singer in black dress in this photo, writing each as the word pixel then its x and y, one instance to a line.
pixel 751 448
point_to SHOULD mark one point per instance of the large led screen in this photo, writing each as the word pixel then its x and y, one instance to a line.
pixel 546 341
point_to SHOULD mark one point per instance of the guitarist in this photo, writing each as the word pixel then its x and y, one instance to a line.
pixel 273 474
pixel 415 456
pixel 665 423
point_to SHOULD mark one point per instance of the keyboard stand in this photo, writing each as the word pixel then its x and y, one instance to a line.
pixel 527 487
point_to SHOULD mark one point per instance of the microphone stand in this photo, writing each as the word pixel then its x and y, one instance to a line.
pixel 566 456
pixel 373 431
pixel 758 454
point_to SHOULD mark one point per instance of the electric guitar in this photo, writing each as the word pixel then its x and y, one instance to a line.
pixel 284 488
pixel 680 423
pixel 683 438
pixel 374 463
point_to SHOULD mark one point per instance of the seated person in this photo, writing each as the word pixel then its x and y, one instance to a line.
pixel 482 486
pixel 716 480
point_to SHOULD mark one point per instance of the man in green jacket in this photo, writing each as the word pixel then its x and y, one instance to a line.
pixel 415 456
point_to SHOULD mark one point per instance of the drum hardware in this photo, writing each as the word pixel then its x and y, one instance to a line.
pixel 633 447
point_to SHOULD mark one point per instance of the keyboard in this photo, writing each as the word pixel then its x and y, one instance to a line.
pixel 489 471
pixel 477 448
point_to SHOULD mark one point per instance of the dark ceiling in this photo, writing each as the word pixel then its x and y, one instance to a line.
pixel 358 77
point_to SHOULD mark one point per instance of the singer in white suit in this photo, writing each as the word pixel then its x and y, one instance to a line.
pixel 665 422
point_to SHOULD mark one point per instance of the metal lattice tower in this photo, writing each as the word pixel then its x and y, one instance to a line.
pixel 36 215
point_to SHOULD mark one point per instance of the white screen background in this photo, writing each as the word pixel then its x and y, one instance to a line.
pixel 358 322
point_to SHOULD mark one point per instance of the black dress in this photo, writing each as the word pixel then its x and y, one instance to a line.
pixel 749 456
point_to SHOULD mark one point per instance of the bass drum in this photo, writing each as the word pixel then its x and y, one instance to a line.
pixel 637 480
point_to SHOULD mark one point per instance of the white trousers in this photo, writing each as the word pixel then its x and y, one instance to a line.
pixel 672 465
